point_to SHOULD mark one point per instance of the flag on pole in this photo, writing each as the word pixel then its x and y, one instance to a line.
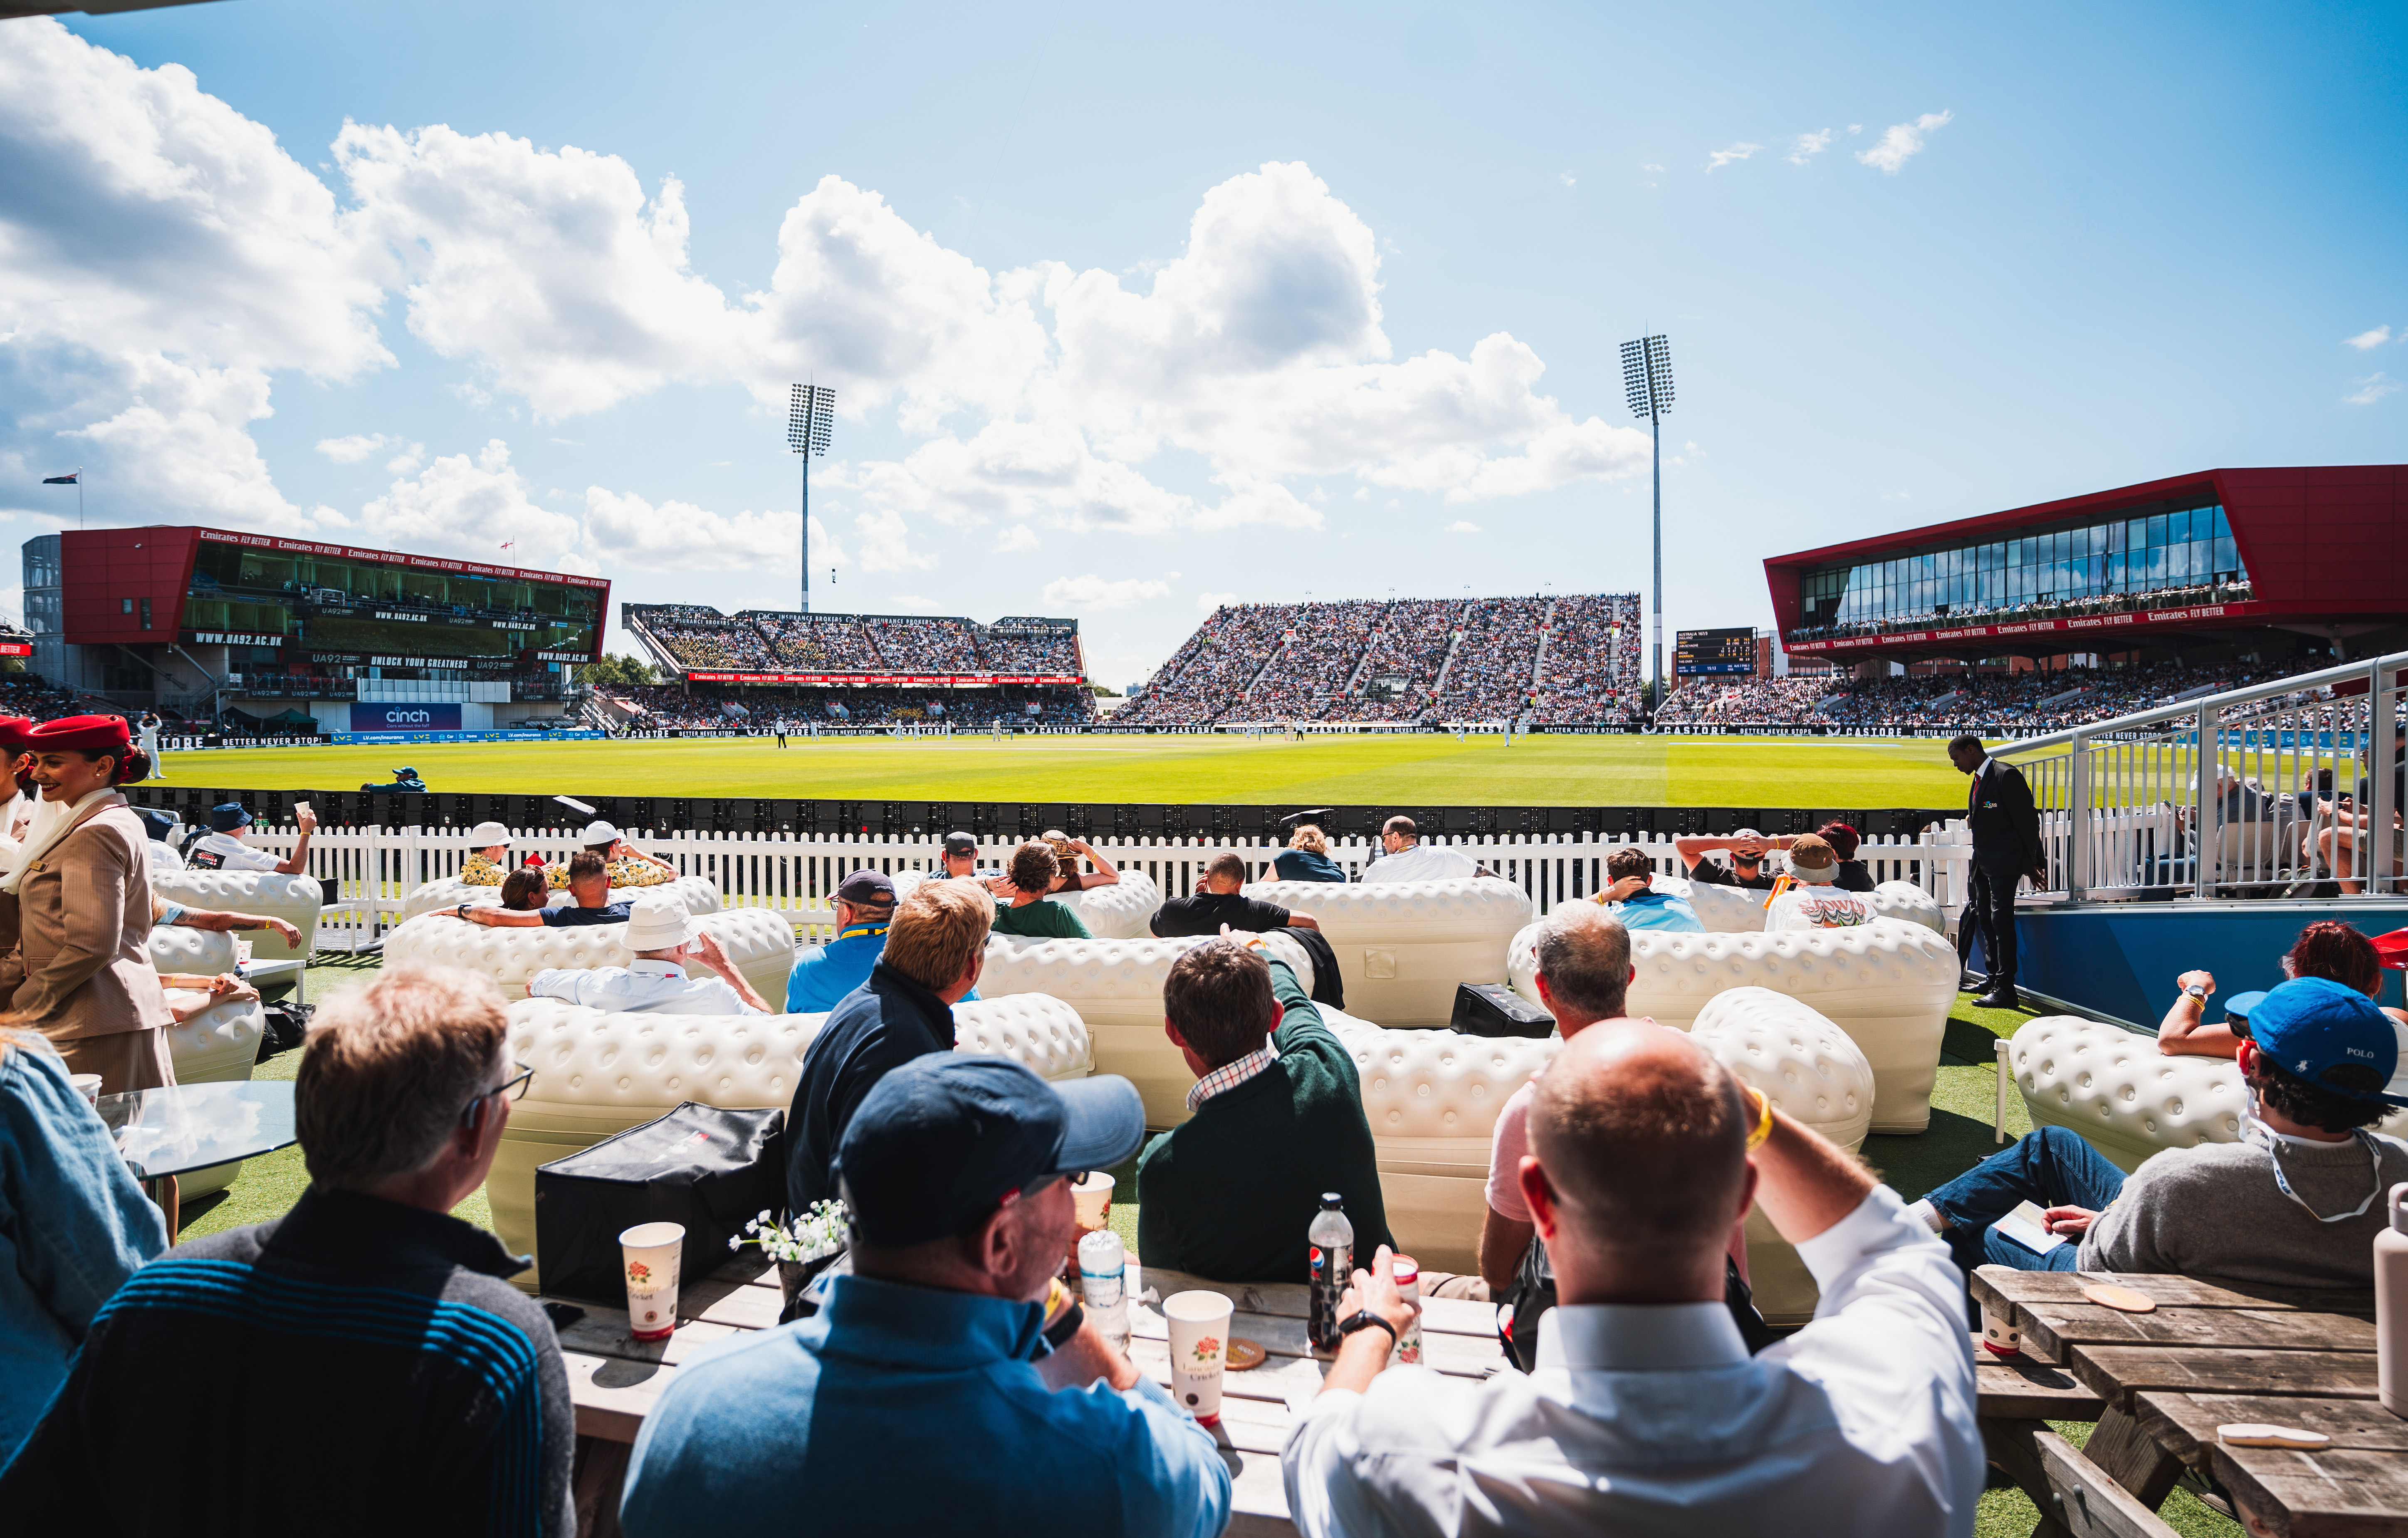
pixel 67 479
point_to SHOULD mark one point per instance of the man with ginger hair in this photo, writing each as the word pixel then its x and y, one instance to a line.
pixel 413 1388
pixel 1027 880
pixel 1645 1411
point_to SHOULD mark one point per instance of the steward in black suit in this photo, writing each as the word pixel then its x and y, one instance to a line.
pixel 2006 847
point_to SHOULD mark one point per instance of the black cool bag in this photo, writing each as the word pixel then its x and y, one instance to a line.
pixel 710 1169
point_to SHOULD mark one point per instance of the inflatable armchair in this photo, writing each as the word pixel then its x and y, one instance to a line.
pixel 295 899
pixel 1117 912
pixel 1402 946
pixel 759 942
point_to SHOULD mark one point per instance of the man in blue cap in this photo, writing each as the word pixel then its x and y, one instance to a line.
pixel 221 847
pixel 964 1390
pixel 405 779
pixel 865 905
pixel 2295 1204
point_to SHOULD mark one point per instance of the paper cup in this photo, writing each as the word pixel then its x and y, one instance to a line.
pixel 88 1086
pixel 1200 1351
pixel 650 1252
pixel 242 956
pixel 2000 1336
pixel 1092 1199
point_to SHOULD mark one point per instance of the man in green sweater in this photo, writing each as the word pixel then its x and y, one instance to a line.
pixel 1026 912
pixel 1278 1120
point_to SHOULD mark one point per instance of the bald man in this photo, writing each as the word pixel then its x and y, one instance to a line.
pixel 1646 1413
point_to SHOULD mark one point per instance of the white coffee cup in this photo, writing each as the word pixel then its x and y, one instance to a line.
pixel 242 956
pixel 648 1253
pixel 1199 1350
pixel 88 1086
pixel 1092 1198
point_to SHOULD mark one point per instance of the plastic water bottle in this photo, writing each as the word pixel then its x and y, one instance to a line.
pixel 1103 1285
pixel 2391 1306
pixel 1333 1268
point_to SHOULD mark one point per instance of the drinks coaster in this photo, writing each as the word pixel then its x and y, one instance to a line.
pixel 1243 1354
pixel 2123 1299
pixel 2250 1433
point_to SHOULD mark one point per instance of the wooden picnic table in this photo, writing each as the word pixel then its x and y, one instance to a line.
pixel 614 1380
pixel 2160 1384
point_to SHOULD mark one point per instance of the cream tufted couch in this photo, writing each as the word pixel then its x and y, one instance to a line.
pixel 177 949
pixel 1906 901
pixel 1431 1098
pixel 217 1046
pixel 1811 1071
pixel 1889 985
pixel 1722 910
pixel 1117 912
pixel 759 942
pixel 295 899
pixel 1402 946
pixel 699 893
pixel 1116 988
pixel 598 1074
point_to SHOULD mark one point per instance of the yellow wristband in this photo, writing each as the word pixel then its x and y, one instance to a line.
pixel 1057 1298
pixel 1763 1127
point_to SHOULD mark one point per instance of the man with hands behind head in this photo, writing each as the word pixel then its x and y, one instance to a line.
pixel 1645 1411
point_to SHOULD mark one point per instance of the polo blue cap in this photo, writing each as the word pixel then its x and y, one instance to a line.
pixel 947 1137
pixel 227 816
pixel 2240 1004
pixel 2332 1036
pixel 160 823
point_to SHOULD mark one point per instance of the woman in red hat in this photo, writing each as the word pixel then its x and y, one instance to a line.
pixel 81 885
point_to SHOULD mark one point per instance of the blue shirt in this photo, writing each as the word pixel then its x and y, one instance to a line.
pixel 824 974
pixel 936 1423
pixel 73 1227
pixel 1657 910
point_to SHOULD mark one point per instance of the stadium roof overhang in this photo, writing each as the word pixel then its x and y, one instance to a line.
pixel 9 10
pixel 2325 548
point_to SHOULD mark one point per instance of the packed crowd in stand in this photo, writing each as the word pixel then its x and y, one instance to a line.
pixel 815 642
pixel 2189 595
pixel 1008 651
pixel 1410 660
pixel 660 707
pixel 2033 701
pixel 768 640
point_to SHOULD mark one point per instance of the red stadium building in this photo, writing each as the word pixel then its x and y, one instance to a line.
pixel 199 622
pixel 2306 565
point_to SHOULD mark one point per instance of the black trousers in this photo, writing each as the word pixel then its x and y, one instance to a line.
pixel 1991 905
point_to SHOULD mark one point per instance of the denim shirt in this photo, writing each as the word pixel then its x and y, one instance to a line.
pixel 74 1226
pixel 934 1422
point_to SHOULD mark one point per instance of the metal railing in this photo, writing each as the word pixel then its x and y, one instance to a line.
pixel 2288 779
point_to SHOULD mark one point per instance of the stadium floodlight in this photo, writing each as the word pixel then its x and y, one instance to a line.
pixel 810 422
pixel 1647 380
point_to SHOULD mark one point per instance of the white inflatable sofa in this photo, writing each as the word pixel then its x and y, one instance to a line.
pixel 699 893
pixel 1116 988
pixel 205 952
pixel 1722 910
pixel 217 1046
pixel 295 899
pixel 1118 912
pixel 759 942
pixel 598 1074
pixel 1402 946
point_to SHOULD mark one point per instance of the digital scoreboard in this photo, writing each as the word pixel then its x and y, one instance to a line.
pixel 1710 651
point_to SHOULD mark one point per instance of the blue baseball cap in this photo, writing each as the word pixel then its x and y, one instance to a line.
pixel 2332 1036
pixel 227 816
pixel 2240 1004
pixel 949 1137
pixel 160 823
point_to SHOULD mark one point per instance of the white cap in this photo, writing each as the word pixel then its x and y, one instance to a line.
pixel 659 923
pixel 598 831
pixel 485 835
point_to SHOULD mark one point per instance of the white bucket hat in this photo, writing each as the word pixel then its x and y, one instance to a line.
pixel 485 835
pixel 659 923
pixel 600 832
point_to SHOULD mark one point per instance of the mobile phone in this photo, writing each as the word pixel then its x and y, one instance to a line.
pixel 563 1315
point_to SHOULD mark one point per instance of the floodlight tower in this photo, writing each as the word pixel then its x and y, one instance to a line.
pixel 1647 381
pixel 810 422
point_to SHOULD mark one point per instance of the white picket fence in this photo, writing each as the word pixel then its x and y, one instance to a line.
pixel 369 873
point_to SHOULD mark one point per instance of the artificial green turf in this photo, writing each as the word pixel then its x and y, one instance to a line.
pixel 1415 771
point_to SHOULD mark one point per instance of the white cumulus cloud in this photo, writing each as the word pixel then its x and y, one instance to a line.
pixel 2372 388
pixel 467 507
pixel 1807 146
pixel 1902 141
pixel 1094 592
pixel 1721 158
pixel 1208 601
pixel 1461 527
pixel 2367 340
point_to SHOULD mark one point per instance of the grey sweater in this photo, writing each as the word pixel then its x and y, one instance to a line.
pixel 2214 1212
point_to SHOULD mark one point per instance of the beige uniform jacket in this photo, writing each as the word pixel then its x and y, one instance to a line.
pixel 84 917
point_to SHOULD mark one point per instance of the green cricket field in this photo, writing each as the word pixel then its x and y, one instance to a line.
pixel 1419 770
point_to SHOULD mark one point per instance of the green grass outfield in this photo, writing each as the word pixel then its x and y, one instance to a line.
pixel 1418 770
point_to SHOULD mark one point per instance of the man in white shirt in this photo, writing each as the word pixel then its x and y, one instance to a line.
pixel 1409 860
pixel 221 847
pixel 664 936
pixel 1646 1413
pixel 1813 901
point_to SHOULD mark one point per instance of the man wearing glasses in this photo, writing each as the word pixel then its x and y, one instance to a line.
pixel 398 1365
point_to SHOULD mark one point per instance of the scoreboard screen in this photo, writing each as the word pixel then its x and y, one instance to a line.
pixel 1702 651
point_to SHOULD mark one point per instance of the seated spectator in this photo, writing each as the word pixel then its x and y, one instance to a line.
pixel 523 891
pixel 218 919
pixel 1410 860
pixel 488 860
pixel 2296 1204
pixel 864 906
pixel 2326 948
pixel 953 1325
pixel 73 1224
pixel 1067 852
pixel 1816 902
pixel 1748 849
pixel 1027 879
pixel 629 865
pixel 1307 857
pixel 936 946
pixel 1854 875
pixel 191 992
pixel 1276 1118
pixel 588 881
pixel 665 937
pixel 1637 903
pixel 405 781
pixel 961 857
pixel 1645 1411
pixel 166 857
pixel 222 848
pixel 421 1392
pixel 1220 906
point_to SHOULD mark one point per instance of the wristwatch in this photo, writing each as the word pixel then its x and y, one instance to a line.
pixel 2195 990
pixel 1365 1319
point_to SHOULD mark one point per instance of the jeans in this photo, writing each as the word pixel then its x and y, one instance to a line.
pixel 2049 1168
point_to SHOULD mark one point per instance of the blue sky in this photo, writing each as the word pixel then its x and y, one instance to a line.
pixel 1128 308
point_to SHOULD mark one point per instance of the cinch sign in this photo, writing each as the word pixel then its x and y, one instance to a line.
pixel 405 718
